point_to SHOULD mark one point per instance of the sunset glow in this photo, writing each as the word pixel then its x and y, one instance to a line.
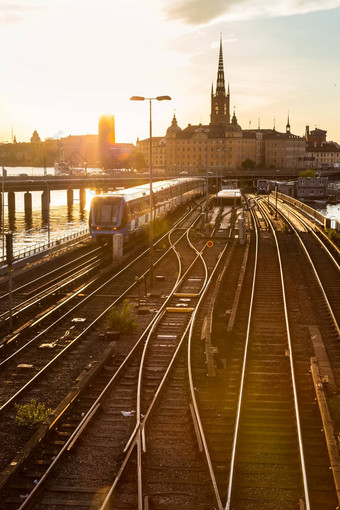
pixel 65 63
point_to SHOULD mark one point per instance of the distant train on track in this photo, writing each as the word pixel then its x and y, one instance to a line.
pixel 262 186
pixel 127 211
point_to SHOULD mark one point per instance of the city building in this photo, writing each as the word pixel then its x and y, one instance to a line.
pixel 112 155
pixel 106 140
pixel 35 138
pixel 312 188
pixel 79 151
pixel 320 153
pixel 222 145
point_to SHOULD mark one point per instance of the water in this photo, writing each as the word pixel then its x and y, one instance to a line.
pixel 29 231
pixel 329 210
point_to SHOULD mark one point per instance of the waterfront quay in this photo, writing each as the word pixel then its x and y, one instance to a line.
pixel 129 179
pixel 38 183
pixel 103 182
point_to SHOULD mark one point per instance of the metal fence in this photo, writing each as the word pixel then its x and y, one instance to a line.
pixel 43 246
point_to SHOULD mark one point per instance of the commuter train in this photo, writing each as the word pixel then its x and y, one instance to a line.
pixel 262 186
pixel 229 196
pixel 127 211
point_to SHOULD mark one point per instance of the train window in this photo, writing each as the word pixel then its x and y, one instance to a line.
pixel 176 190
pixel 106 210
pixel 124 216
pixel 156 197
pixel 168 193
pixel 132 209
pixel 137 207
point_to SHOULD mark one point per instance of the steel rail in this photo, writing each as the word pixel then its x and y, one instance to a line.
pixel 136 438
pixel 173 247
pixel 90 413
pixel 82 334
pixel 141 425
pixel 26 304
pixel 309 219
pixel 296 403
pixel 192 391
pixel 328 305
pixel 237 422
pixel 130 264
pixel 50 273
pixel 139 381
pixel 312 231
pixel 179 282
pixel 100 248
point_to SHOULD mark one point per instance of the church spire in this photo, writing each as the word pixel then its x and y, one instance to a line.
pixel 220 85
pixel 220 100
pixel 288 125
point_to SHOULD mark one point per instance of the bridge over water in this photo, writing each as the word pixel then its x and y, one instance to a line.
pixel 103 182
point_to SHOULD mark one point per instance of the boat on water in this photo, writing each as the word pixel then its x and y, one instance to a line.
pixel 61 168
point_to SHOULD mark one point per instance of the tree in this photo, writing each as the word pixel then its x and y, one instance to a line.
pixel 138 161
pixel 307 173
pixel 248 163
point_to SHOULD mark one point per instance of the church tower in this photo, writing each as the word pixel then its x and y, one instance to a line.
pixel 220 101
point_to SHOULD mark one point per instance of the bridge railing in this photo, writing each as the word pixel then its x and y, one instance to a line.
pixel 323 220
pixel 19 254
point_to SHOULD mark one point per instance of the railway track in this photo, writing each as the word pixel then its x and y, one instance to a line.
pixel 59 350
pixel 213 406
pixel 325 263
pixel 162 345
pixel 266 450
pixel 30 294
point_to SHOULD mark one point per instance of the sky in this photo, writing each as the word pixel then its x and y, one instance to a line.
pixel 64 63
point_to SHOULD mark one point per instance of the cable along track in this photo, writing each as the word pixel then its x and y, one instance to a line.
pixel 148 395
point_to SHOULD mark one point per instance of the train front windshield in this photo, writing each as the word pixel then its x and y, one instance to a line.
pixel 106 211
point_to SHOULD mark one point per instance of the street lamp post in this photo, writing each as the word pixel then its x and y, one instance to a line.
pixel 207 184
pixel 46 210
pixel 219 177
pixel 150 99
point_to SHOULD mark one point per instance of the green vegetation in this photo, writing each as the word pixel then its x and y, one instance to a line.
pixel 248 163
pixel 307 173
pixel 32 414
pixel 209 227
pixel 122 320
pixel 332 234
pixel 285 228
